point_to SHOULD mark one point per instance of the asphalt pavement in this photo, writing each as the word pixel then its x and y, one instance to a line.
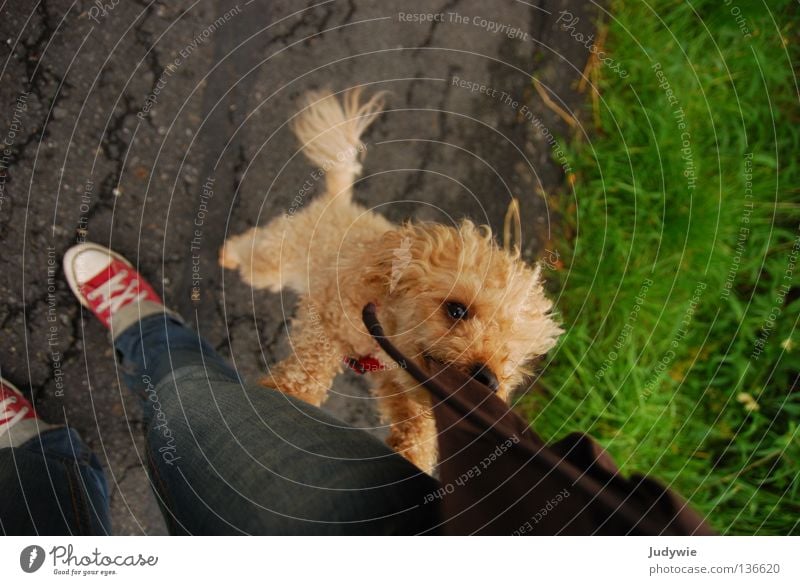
pixel 159 127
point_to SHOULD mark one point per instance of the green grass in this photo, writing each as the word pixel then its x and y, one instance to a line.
pixel 634 217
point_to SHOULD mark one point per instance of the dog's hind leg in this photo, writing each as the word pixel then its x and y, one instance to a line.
pixel 315 360
pixel 267 257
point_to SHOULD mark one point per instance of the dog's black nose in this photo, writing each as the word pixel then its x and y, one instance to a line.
pixel 485 376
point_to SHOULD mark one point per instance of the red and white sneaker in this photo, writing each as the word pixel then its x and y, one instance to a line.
pixel 14 407
pixel 105 282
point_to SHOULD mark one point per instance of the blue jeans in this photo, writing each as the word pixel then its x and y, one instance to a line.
pixel 223 457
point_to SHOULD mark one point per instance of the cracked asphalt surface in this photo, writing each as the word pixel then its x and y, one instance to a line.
pixel 115 118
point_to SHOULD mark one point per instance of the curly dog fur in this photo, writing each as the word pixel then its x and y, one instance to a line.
pixel 339 256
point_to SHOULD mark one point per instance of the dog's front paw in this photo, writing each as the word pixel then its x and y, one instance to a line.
pixel 304 389
pixel 413 447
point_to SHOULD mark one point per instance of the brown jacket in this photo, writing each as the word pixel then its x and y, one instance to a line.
pixel 498 477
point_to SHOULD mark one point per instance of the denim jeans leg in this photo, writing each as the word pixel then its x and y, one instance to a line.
pixel 158 345
pixel 53 485
pixel 227 458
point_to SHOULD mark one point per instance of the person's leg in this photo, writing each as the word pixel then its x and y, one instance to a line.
pixel 50 482
pixel 226 458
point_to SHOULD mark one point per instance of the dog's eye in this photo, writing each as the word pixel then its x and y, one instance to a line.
pixel 456 310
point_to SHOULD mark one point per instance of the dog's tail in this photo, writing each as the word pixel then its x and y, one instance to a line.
pixel 330 131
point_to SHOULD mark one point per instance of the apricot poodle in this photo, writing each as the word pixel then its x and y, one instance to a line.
pixel 447 293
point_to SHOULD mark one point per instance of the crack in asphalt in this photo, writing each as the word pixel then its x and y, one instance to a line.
pixel 416 180
pixel 447 7
pixel 307 20
pixel 39 80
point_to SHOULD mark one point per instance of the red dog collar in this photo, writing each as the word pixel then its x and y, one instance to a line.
pixel 365 364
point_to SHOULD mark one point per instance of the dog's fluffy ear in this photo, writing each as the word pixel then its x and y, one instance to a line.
pixel 538 314
pixel 385 263
pixel 413 251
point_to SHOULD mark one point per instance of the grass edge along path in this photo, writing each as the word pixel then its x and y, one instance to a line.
pixel 681 249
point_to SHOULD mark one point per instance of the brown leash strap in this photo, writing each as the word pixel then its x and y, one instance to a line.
pixel 603 489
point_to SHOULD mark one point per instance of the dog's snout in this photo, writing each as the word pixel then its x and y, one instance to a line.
pixel 485 376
